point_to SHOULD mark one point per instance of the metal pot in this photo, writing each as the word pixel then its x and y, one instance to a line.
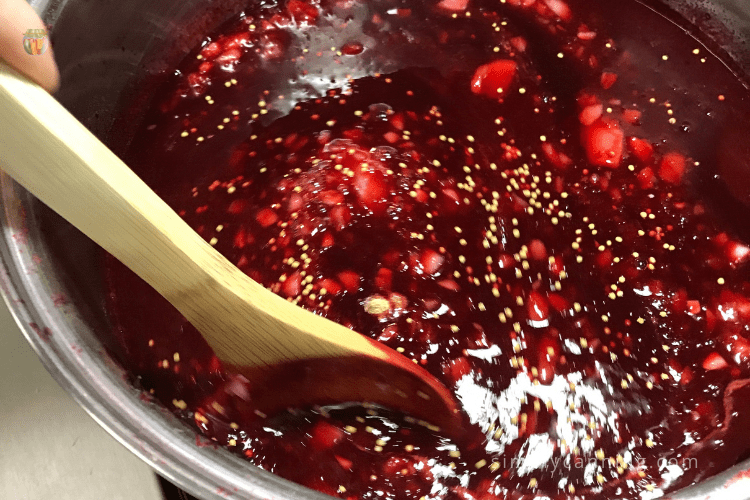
pixel 49 271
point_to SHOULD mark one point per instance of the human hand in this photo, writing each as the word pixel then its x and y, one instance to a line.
pixel 16 17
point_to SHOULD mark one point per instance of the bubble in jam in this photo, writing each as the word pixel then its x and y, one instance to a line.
pixel 506 193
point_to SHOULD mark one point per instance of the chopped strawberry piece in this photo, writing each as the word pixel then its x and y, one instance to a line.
pixel 371 189
pixel 352 48
pixel 229 56
pixel 646 178
pixel 505 261
pixel 211 50
pixel 240 238
pixel 331 197
pixel 388 333
pixel 608 79
pixel 324 435
pixel 452 200
pixel 237 206
pixel 457 368
pixel 266 217
pixel 693 306
pixel 558 302
pixel 292 285
pixel 494 79
pixel 560 9
pixel 558 159
pixel 714 361
pixel 590 114
pixel 430 261
pixel 327 241
pixel 538 307
pixel 537 250
pixel 340 217
pixel 737 253
pixel 454 5
pixel 519 43
pixel 391 137
pixel 449 285
pixel 586 35
pixel 740 349
pixel 350 280
pixel 672 167
pixel 331 286
pixel 384 278
pixel 197 82
pixel 344 463
pixel 641 149
pixel 632 116
pixel 604 142
pixel 397 121
pixel 604 259
pixel 302 12
pixel 295 202
pixel 272 44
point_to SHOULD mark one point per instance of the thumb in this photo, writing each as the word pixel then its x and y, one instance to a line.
pixel 16 18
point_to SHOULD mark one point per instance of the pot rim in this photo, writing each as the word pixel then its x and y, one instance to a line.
pixel 85 370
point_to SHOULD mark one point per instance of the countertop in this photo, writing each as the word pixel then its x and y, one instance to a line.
pixel 49 447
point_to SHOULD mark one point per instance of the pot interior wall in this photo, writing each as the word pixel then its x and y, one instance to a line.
pixel 112 54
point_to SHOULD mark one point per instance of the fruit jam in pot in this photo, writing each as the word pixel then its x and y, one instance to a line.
pixel 520 196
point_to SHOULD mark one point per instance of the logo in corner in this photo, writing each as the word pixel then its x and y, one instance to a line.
pixel 35 41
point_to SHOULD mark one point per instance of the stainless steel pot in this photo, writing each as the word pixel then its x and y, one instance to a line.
pixel 49 271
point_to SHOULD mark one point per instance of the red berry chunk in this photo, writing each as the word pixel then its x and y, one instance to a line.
pixel 604 141
pixel 672 167
pixel 494 79
pixel 454 5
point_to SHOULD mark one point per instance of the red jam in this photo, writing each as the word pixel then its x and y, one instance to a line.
pixel 519 196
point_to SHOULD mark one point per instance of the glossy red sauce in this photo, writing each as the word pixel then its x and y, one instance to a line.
pixel 518 196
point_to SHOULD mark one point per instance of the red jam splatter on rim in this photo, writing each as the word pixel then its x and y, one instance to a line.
pixel 503 193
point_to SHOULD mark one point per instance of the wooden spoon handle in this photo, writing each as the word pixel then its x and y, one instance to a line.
pixel 253 331
pixel 58 160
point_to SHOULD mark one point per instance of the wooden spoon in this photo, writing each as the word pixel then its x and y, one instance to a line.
pixel 291 356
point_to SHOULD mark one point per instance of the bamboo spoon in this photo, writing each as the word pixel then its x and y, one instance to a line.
pixel 291 356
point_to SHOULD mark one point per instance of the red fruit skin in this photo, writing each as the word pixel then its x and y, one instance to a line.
pixel 350 280
pixel 371 190
pixel 352 48
pixel 672 168
pixel 325 436
pixel 632 116
pixel 646 178
pixel 491 77
pixel 590 114
pixel 693 307
pixel 454 5
pixel 641 149
pixel 537 250
pixel 455 369
pixel 384 278
pixel 608 80
pixel 266 217
pixel 538 307
pixel 211 50
pixel 292 286
pixel 560 8
pixel 714 361
pixel 431 261
pixel 737 253
pixel 604 142
pixel 302 12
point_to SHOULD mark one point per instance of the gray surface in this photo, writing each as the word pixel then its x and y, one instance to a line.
pixel 50 449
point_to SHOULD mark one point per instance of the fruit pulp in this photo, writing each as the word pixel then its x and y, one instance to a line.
pixel 519 196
